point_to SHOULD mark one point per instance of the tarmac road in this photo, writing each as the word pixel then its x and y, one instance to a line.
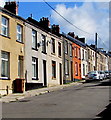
pixel 83 101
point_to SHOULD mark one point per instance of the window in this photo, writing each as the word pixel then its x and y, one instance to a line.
pixel 83 54
pixel 34 68
pixel 19 33
pixel 59 48
pixel 83 69
pixel 76 69
pixel 70 49
pixel 5 26
pixel 53 69
pixel 66 47
pixel 43 43
pixel 34 39
pixel 75 51
pixel 4 64
pixel 66 67
pixel 53 45
pixel 20 66
pixel 86 55
pixel 79 53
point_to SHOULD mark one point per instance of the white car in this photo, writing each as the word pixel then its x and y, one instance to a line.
pixel 102 75
pixel 93 75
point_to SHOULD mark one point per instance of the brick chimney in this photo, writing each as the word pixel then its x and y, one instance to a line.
pixel 44 22
pixel 12 7
pixel 56 29
pixel 71 34
pixel 82 40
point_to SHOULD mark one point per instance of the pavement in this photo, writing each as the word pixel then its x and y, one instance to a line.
pixel 18 96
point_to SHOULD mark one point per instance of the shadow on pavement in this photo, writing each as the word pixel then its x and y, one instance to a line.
pixel 105 114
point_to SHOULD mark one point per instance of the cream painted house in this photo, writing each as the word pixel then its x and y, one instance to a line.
pixel 11 49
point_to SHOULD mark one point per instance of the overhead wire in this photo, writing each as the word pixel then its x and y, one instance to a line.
pixel 66 19
pixel 72 23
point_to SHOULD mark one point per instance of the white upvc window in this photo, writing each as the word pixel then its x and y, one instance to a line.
pixel 5 26
pixel 34 68
pixel 34 39
pixel 19 33
pixel 4 64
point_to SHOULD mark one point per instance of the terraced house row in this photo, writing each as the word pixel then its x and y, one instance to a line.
pixel 34 54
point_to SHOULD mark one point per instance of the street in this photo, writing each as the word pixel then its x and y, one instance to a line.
pixel 83 101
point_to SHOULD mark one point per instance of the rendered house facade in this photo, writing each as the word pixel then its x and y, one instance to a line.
pixel 11 49
pixel 43 55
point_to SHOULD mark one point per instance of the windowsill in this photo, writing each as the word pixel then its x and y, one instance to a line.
pixel 66 53
pixel 35 78
pixel 53 78
pixel 4 78
pixel 67 74
pixel 19 42
pixel 44 52
pixel 60 56
pixel 53 53
pixel 5 36
pixel 35 49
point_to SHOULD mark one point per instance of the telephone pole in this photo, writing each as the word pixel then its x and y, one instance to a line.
pixel 96 51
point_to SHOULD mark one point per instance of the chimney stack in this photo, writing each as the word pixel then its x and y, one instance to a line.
pixel 71 34
pixel 12 7
pixel 45 23
pixel 55 29
pixel 82 40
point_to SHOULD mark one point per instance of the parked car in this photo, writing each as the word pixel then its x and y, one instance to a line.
pixel 93 75
pixel 102 75
pixel 107 73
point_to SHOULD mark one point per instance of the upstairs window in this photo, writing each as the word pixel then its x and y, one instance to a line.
pixel 19 33
pixel 83 54
pixel 71 50
pixel 79 53
pixel 5 26
pixel 59 49
pixel 34 39
pixel 43 37
pixel 53 45
pixel 66 47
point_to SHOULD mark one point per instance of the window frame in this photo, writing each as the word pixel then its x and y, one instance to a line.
pixel 36 68
pixel 6 26
pixel 34 39
pixel 66 47
pixel 59 49
pixel 52 45
pixel 8 63
pixel 53 69
pixel 20 33
pixel 43 43
pixel 66 67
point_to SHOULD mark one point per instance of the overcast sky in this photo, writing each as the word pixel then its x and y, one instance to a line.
pixel 91 17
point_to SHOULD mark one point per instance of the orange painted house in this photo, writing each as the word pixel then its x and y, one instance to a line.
pixel 76 62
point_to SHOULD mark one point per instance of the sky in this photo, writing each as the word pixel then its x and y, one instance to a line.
pixel 90 17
